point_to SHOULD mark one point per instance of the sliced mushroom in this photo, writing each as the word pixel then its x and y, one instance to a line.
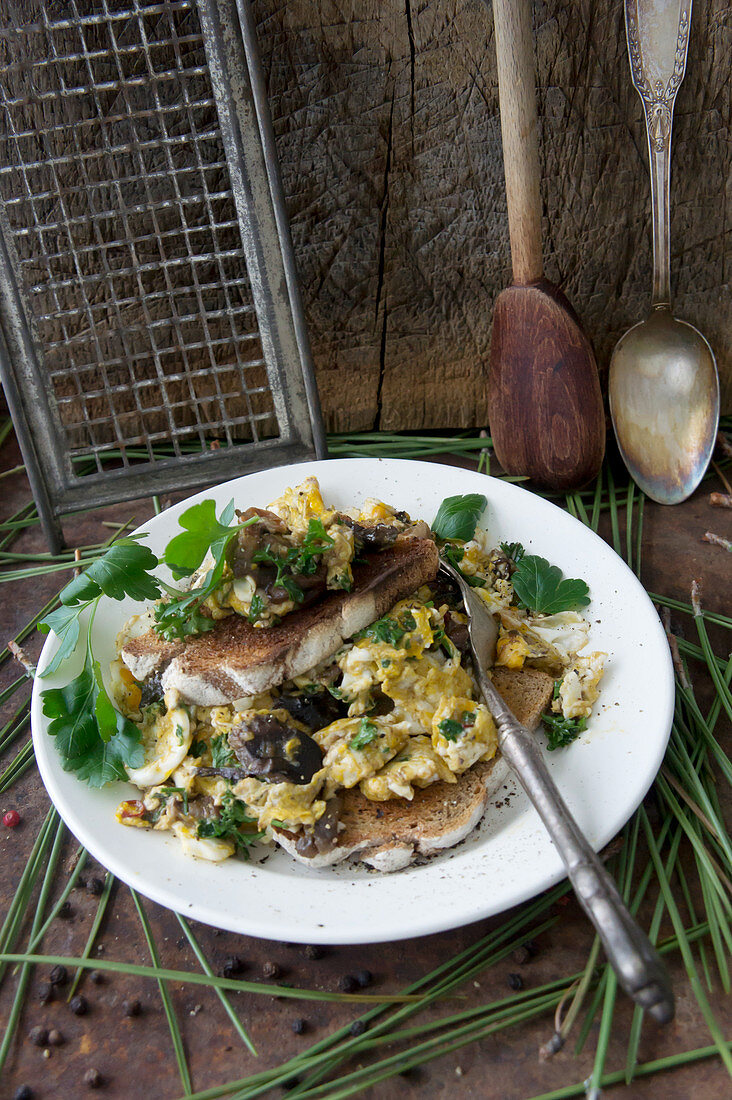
pixel 375 537
pixel 314 711
pixel 323 836
pixel 274 752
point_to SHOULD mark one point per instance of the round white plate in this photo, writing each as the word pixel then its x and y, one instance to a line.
pixel 509 858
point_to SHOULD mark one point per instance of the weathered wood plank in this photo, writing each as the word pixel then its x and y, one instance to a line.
pixel 386 113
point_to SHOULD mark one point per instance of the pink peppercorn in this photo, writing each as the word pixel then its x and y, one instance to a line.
pixel 11 819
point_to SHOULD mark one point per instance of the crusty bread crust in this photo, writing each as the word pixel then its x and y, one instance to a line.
pixel 389 835
pixel 237 659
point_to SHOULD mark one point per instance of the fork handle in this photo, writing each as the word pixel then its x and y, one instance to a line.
pixel 637 964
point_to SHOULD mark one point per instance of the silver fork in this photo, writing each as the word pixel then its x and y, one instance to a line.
pixel 638 966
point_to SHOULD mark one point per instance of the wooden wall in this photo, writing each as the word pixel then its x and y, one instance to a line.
pixel 386 115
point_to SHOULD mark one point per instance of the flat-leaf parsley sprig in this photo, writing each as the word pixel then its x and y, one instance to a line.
pixel 540 587
pixel 93 739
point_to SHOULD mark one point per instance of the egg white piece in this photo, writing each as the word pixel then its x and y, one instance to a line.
pixel 166 746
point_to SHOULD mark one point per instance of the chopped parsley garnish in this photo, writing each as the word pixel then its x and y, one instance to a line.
pixel 389 631
pixel 368 731
pixel 229 825
pixel 454 555
pixel 561 731
pixel 540 587
pixel 256 607
pixel 222 755
pixel 450 729
pixel 514 551
pixel 302 560
pixel 197 749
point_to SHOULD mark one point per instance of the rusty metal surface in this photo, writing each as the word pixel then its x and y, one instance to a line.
pixel 135 1056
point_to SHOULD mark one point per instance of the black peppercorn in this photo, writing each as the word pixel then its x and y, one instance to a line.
pixel 59 975
pixel 65 912
pixel 95 886
pixel 357 1027
pixel 79 1005
pixel 299 1025
pixel 292 1083
pixel 232 965
pixel 314 951
pixel 38 1036
pixel 93 1079
pixel 348 984
pixel 364 978
pixel 25 1092
pixel 521 955
pixel 96 977
pixel 271 969
pixel 45 992
pixel 131 1008
pixel 55 1038
pixel 515 982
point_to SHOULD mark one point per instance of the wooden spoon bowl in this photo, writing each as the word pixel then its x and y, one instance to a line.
pixel 544 403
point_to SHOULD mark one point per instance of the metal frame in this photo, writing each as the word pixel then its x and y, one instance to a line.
pixel 245 130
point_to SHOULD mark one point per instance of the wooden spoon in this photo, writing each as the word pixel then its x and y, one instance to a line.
pixel 544 402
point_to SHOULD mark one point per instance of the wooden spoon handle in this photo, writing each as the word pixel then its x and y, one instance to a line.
pixel 519 131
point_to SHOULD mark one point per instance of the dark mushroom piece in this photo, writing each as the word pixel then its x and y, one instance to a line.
pixel 323 836
pixel 314 711
pixel 377 537
pixel 151 690
pixel 274 752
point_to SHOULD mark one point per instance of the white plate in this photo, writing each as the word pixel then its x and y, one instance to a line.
pixel 509 858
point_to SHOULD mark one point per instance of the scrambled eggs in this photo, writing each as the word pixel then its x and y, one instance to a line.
pixel 410 710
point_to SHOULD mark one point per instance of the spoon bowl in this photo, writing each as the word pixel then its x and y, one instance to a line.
pixel 664 402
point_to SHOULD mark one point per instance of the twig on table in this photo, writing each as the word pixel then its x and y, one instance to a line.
pixel 77 557
pixel 23 659
pixel 674 647
pixel 717 540
pixel 721 500
pixel 724 444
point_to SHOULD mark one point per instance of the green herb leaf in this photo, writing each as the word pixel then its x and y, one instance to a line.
pixel 458 516
pixel 202 532
pixel 539 587
pixel 96 757
pixel 513 550
pixel 561 731
pixel 169 792
pixel 450 729
pixel 229 825
pixel 222 755
pixel 455 554
pixel 64 622
pixel 368 731
pixel 181 616
pixel 123 571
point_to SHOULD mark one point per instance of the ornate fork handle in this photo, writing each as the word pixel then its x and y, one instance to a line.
pixel 658 40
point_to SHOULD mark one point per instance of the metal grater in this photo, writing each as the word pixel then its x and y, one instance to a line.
pixel 151 329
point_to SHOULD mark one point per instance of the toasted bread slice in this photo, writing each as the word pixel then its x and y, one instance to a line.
pixel 237 659
pixel 388 835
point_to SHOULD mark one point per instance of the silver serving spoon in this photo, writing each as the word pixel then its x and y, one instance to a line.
pixel 638 966
pixel 663 384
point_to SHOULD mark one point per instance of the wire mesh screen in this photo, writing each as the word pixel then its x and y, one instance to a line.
pixel 125 235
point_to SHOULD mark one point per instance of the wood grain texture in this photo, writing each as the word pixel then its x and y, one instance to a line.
pixel 545 405
pixel 386 115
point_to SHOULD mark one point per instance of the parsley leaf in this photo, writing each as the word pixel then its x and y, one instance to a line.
pixel 513 550
pixel 540 587
pixel 450 729
pixel 561 731
pixel 168 792
pixel 64 622
pixel 228 825
pixel 93 739
pixel 221 754
pixel 123 571
pixel 455 554
pixel 202 531
pixel 457 516
pixel 368 731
